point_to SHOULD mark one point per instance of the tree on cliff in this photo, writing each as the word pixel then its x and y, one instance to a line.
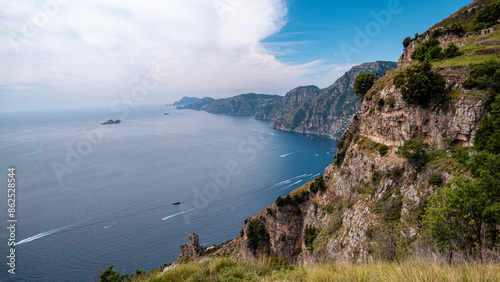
pixel 363 83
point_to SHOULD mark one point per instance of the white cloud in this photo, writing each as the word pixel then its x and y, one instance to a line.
pixel 207 47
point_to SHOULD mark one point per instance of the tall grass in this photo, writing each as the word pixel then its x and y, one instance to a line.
pixel 417 268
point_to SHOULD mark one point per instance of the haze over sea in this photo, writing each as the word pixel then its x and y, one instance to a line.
pixel 115 206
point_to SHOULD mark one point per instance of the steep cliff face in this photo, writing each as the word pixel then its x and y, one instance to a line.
pixel 330 112
pixel 366 191
pixel 370 202
pixel 393 124
pixel 292 100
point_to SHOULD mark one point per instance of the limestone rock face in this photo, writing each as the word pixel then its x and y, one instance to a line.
pixel 364 183
pixel 193 248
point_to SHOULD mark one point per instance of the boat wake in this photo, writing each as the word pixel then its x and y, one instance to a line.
pixel 106 227
pixel 288 181
pixel 290 185
pixel 292 153
pixel 177 214
pixel 44 234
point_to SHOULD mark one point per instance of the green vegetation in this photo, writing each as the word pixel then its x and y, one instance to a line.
pixel 267 269
pixel 465 215
pixel 451 51
pixel 487 16
pixel 310 234
pixel 399 80
pixel 258 238
pixel 428 50
pixel 415 151
pixel 406 42
pixel 435 179
pixel 485 76
pixel 318 184
pixel 422 85
pixel 382 149
pixel 292 200
pixel 363 83
pixel 110 275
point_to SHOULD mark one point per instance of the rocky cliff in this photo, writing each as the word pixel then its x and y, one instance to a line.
pixel 370 202
pixel 329 113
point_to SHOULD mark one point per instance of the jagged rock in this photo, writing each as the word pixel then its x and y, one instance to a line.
pixel 193 248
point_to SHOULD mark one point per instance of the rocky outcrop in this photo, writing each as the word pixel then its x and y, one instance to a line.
pixel 393 124
pixel 193 248
pixel 198 104
pixel 292 100
pixel 330 112
pixel 185 101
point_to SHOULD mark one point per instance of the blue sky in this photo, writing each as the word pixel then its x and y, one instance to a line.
pixel 70 54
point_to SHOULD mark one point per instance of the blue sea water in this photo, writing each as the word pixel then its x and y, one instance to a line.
pixel 89 196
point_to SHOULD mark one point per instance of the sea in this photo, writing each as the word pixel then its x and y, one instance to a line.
pixel 88 196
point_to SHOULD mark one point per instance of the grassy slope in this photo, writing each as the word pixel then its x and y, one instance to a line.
pixel 226 269
pixel 470 49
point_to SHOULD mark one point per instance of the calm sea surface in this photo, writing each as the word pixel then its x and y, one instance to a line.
pixel 89 196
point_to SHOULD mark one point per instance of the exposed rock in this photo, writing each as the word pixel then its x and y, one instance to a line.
pixel 193 248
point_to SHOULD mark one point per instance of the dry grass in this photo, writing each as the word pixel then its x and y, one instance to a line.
pixel 263 269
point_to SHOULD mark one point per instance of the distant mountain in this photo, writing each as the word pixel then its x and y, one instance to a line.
pixel 261 106
pixel 198 104
pixel 330 111
pixel 185 101
pixel 242 105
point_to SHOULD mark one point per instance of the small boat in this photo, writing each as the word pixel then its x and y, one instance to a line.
pixel 166 114
pixel 176 203
pixel 274 148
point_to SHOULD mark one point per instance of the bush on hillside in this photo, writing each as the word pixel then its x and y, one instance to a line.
pixel 363 83
pixel 430 49
pixel 487 16
pixel 415 151
pixel 422 85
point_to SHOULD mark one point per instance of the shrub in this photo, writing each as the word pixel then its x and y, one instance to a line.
pixel 487 16
pixel 487 69
pixel 466 217
pixel 270 211
pixel 392 102
pixel 399 80
pixel 381 102
pixel 451 51
pixel 258 238
pixel 310 234
pixel 395 173
pixel 430 49
pixel 435 179
pixel 422 85
pixel 318 184
pixel 415 151
pixel 363 83
pixel 406 42
pixel 376 177
pixel 382 149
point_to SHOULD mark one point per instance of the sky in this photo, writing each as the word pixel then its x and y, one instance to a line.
pixel 74 54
